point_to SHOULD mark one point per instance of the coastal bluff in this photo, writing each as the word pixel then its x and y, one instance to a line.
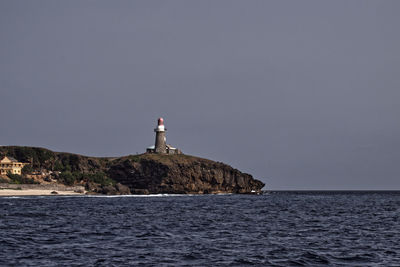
pixel 136 174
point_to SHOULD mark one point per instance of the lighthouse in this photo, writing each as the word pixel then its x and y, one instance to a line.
pixel 161 146
pixel 161 140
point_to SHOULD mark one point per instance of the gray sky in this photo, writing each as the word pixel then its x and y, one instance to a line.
pixel 301 94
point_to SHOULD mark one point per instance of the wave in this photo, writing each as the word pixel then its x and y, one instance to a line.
pixel 150 195
pixel 114 196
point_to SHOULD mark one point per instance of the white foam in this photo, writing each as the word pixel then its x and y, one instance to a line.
pixel 150 195
pixel 116 196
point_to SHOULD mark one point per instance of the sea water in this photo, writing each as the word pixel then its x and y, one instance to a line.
pixel 276 229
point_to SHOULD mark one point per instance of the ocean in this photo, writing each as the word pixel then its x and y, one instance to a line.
pixel 275 229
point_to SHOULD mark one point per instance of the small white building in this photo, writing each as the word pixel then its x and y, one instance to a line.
pixel 170 150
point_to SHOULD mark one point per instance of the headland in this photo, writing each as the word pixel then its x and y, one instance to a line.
pixel 163 169
pixel 147 173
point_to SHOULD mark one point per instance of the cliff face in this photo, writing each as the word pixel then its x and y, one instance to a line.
pixel 181 174
pixel 143 174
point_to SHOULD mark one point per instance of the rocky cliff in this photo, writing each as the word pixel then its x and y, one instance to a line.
pixel 143 174
pixel 181 174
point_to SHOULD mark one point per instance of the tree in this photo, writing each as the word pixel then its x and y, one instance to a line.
pixel 67 178
pixel 27 169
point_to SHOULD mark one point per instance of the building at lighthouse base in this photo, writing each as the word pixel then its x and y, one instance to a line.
pixel 170 150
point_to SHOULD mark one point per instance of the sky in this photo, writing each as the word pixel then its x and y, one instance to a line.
pixel 303 95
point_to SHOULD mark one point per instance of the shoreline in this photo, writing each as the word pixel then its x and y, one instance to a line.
pixel 36 192
pixel 7 190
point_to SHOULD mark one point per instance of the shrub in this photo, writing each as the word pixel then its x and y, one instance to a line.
pixel 58 166
pixel 18 179
pixel 99 178
pixel 27 169
pixel 67 168
pixel 134 158
pixel 67 178
pixel 37 156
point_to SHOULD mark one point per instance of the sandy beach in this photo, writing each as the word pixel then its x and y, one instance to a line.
pixel 35 192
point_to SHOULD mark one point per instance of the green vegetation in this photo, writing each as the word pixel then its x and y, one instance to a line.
pixel 58 166
pixel 18 179
pixel 135 158
pixel 99 178
pixel 72 168
pixel 170 160
pixel 27 169
pixel 70 178
pixel 36 156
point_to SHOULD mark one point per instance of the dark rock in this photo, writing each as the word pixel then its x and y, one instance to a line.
pixel 54 193
pixel 55 175
pixel 122 189
pixel 109 190
pixel 140 191
pixel 80 191
pixel 93 187
pixel 181 174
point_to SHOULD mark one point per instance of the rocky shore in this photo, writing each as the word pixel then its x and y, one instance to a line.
pixel 181 174
pixel 135 174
